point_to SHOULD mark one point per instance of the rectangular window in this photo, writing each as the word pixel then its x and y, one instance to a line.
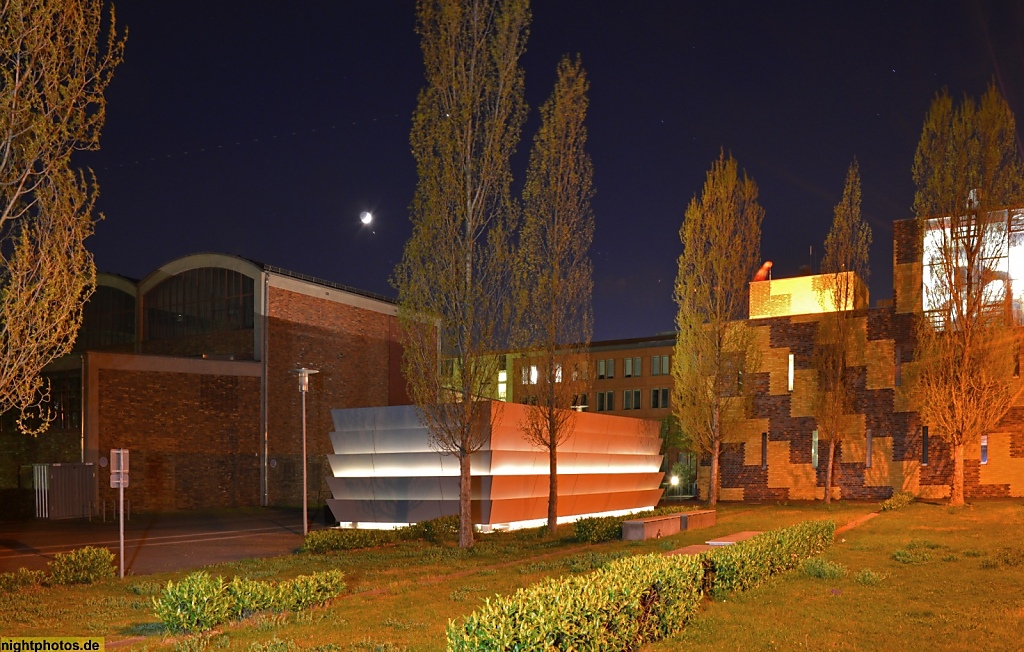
pixel 655 365
pixel 638 365
pixel 898 366
pixel 924 446
pixel 627 399
pixel 611 368
pixel 867 448
pixel 502 385
pixel 600 402
pixel 533 375
pixel 665 369
pixel 789 383
pixel 627 368
pixel 764 450
pixel 558 372
pixel 610 400
pixel 655 395
pixel 814 448
pixel 600 369
pixel 636 399
pixel 984 449
pixel 579 403
pixel 664 397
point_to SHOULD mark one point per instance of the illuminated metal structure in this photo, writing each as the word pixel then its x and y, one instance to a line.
pixel 386 473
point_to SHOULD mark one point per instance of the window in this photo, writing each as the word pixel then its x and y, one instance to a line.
pixel 600 402
pixel 659 397
pixel 600 369
pixel 924 446
pixel 579 402
pixel 627 397
pixel 984 449
pixel 789 384
pixel 655 365
pixel 605 401
pixel 529 374
pixel 814 448
pixel 503 385
pixel 897 366
pixel 606 368
pixel 867 449
pixel 764 450
pixel 558 372
pixel 199 301
pixel 611 368
pixel 108 319
pixel 632 367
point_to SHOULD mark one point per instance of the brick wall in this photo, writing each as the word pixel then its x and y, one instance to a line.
pixel 356 353
pixel 194 438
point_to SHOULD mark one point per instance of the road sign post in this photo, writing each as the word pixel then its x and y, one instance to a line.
pixel 119 480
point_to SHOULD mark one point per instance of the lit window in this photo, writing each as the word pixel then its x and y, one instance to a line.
pixel 814 449
pixel 600 368
pixel 558 373
pixel 502 385
pixel 789 384
pixel 984 449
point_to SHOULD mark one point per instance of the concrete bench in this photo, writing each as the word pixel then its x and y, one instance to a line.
pixel 652 527
pixel 697 520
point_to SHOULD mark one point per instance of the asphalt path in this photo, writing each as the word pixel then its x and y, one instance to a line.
pixel 157 542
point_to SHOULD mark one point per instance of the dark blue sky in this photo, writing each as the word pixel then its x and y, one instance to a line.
pixel 264 128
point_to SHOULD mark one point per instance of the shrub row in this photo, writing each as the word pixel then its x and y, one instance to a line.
pixel 633 600
pixel 200 602
pixel 898 500
pixel 748 563
pixel 619 607
pixel 83 566
pixel 445 528
pixel 609 528
pixel 19 579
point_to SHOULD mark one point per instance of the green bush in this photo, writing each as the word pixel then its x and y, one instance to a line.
pixel 823 569
pixel 83 566
pixel 629 602
pixel 200 602
pixel 338 539
pixel 749 563
pixel 898 500
pixel 868 577
pixel 910 556
pixel 19 579
pixel 195 604
pixel 437 530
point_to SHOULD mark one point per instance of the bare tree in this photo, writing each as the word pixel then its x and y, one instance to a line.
pixel 453 279
pixel 721 237
pixel 555 270
pixel 968 174
pixel 844 272
pixel 54 68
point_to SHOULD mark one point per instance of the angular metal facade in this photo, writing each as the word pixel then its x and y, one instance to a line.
pixel 385 471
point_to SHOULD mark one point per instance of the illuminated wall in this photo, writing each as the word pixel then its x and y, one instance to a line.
pixel 801 295
pixel 385 472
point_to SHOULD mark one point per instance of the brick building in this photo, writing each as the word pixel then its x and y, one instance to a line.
pixel 189 369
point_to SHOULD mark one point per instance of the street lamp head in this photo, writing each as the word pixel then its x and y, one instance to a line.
pixel 674 481
pixel 304 375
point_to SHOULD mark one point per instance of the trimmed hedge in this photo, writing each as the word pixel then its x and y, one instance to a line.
pixel 631 601
pixel 438 530
pixel 619 607
pixel 20 579
pixel 200 602
pixel 749 563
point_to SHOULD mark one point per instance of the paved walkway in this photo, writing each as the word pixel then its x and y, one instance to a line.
pixel 698 548
pixel 157 542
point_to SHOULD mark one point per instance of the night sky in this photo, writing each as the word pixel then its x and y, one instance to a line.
pixel 263 129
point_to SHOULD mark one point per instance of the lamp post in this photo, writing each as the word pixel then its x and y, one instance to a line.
pixel 304 375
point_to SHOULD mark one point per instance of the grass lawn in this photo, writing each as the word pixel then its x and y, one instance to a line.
pixel 962 587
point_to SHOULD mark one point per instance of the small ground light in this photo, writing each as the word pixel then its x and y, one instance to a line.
pixel 674 481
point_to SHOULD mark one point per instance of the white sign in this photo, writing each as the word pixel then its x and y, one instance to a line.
pixel 118 467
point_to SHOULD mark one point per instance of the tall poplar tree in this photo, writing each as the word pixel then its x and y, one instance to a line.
pixel 721 237
pixel 843 270
pixel 55 65
pixel 968 172
pixel 454 276
pixel 555 270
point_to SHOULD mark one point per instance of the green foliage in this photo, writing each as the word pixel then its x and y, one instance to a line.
pixel 898 500
pixel 83 566
pixel 19 579
pixel 195 604
pixel 338 539
pixel 437 530
pixel 598 529
pixel 749 563
pixel 620 607
pixel 868 577
pixel 823 569
pixel 200 602
pixel 910 555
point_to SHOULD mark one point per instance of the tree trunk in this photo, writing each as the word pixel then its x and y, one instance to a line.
pixel 713 490
pixel 829 470
pixel 956 496
pixel 465 504
pixel 553 492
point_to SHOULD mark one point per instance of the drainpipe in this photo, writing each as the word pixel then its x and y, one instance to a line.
pixel 264 448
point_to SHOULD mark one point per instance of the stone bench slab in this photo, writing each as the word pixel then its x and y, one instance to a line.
pixel 652 527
